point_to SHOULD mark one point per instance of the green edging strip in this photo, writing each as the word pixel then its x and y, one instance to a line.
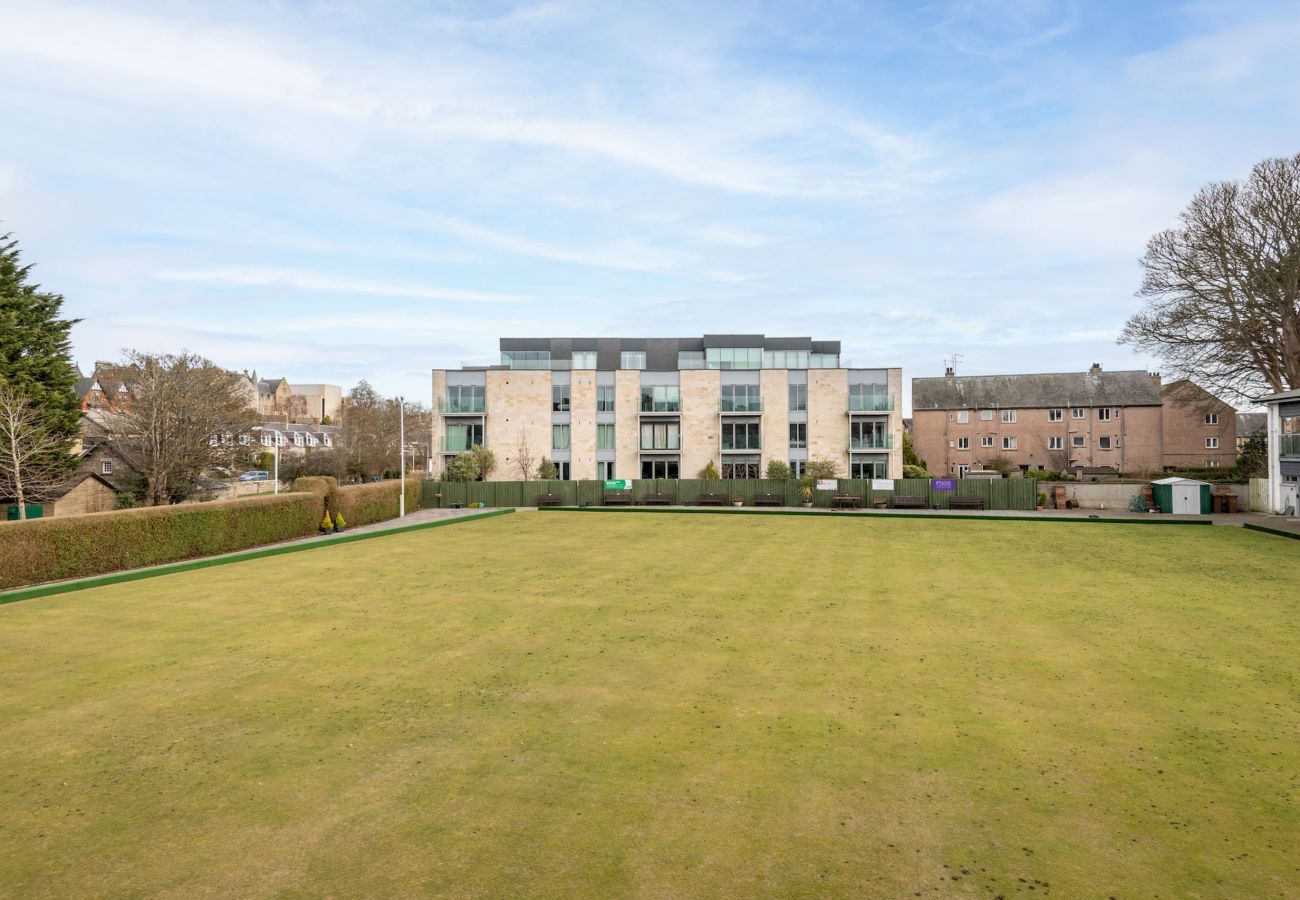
pixel 841 514
pixel 82 584
pixel 1280 532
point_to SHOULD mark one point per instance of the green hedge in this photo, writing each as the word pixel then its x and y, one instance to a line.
pixel 76 546
pixel 363 504
pixel 316 484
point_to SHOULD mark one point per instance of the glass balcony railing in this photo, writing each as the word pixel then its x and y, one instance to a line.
pixel 457 443
pixel 1289 445
pixel 742 445
pixel 471 406
pixel 871 403
pixel 740 405
pixel 662 406
pixel 672 443
pixel 874 442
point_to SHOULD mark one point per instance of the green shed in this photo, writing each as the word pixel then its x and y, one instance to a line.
pixel 1182 496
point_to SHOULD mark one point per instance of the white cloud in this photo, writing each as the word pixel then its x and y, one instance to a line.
pixel 248 276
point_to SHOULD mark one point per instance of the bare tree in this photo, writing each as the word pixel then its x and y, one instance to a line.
pixel 1222 290
pixel 186 416
pixel 524 457
pixel 33 455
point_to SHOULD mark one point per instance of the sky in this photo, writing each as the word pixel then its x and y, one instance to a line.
pixel 343 190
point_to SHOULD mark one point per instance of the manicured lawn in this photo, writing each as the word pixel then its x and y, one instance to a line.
pixel 579 704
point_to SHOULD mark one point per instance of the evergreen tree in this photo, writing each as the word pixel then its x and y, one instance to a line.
pixel 35 347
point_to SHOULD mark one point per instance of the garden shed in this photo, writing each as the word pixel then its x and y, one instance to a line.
pixel 1182 496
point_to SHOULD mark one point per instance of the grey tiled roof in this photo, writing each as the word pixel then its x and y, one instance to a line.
pixel 1133 388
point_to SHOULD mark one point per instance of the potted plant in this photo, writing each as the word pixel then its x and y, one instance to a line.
pixel 1042 500
pixel 806 490
pixel 326 524
pixel 737 499
pixel 339 523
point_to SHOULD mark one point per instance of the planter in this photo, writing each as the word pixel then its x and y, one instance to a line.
pixel 737 502
pixel 807 504
pixel 1039 508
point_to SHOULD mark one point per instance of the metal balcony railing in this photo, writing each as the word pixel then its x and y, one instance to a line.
pixel 452 444
pixel 463 407
pixel 873 403
pixel 878 442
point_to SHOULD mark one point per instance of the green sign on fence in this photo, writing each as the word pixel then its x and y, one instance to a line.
pixel 618 484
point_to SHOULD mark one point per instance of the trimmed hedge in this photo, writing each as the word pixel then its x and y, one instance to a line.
pixel 363 504
pixel 76 546
pixel 316 484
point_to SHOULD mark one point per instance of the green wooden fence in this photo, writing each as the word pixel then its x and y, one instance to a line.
pixel 1003 493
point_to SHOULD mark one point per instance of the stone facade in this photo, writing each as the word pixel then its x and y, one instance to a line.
pixel 518 408
pixel 582 423
pixel 828 420
pixel 627 426
pixel 774 388
pixel 88 494
pixel 701 390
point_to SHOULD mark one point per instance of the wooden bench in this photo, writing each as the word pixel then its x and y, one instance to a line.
pixel 845 501
pixel 712 500
pixel 769 500
pixel 956 502
pixel 659 500
pixel 549 500
pixel 901 502
pixel 616 498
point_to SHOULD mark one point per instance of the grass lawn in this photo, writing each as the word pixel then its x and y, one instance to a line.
pixel 576 705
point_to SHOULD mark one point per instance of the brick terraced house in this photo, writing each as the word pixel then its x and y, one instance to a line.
pixel 639 408
pixel 1104 421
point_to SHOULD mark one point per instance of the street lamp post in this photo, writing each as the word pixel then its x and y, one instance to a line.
pixel 401 449
pixel 277 457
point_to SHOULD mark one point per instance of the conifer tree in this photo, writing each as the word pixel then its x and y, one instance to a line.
pixel 35 346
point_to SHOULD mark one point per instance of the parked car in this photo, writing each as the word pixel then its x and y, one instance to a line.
pixel 257 475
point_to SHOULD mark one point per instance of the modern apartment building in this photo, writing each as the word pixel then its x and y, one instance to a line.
pixel 1121 421
pixel 640 408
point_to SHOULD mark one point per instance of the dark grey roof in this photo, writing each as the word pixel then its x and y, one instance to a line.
pixel 1250 423
pixel 1136 388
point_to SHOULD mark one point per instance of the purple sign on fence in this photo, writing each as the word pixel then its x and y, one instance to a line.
pixel 943 484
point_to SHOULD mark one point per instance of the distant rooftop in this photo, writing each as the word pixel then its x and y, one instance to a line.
pixel 1062 389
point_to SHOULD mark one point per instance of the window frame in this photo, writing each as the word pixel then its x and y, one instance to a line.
pixel 628 359
pixel 1056 414
pixel 1009 442
pixel 1008 417
pixel 798 443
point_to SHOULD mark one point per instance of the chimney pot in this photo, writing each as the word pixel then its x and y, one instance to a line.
pixel 1095 370
pixel 948 373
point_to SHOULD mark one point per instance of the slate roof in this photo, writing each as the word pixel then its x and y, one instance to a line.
pixel 1131 388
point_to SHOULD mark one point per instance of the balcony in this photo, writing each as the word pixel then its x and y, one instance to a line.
pixel 740 407
pixel 672 443
pixel 871 404
pixel 457 444
pixel 876 442
pixel 476 406
pixel 741 446
pixel 1288 445
pixel 662 408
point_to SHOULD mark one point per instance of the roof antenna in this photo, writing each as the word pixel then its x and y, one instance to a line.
pixel 950 364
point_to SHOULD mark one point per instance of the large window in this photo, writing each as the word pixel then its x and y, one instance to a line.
pixel 823 360
pixel 584 359
pixel 526 359
pixel 741 398
pixel 660 468
pixel 604 469
pixel 733 358
pixel 798 435
pixel 690 359
pixel 632 359
pixel 559 398
pixel 661 436
pixel 741 436
pixel 869 398
pixel 868 435
pixel 562 470
pixel 798 398
pixel 460 437
pixel 740 467
pixel 560 437
pixel 464 398
pixel 604 398
pixel 797 467
pixel 661 398
pixel 868 467
pixel 785 359
pixel 604 437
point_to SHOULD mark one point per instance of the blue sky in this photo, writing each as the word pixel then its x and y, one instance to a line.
pixel 343 190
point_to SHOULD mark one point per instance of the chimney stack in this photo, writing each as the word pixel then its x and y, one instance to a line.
pixel 1095 370
pixel 948 373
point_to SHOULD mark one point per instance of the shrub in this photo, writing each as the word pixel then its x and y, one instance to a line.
pixel 95 543
pixel 547 470
pixel 463 467
pixel 777 470
pixel 325 523
pixel 1041 474
pixel 339 521
pixel 363 504
pixel 709 472
pixel 915 472
pixel 818 469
